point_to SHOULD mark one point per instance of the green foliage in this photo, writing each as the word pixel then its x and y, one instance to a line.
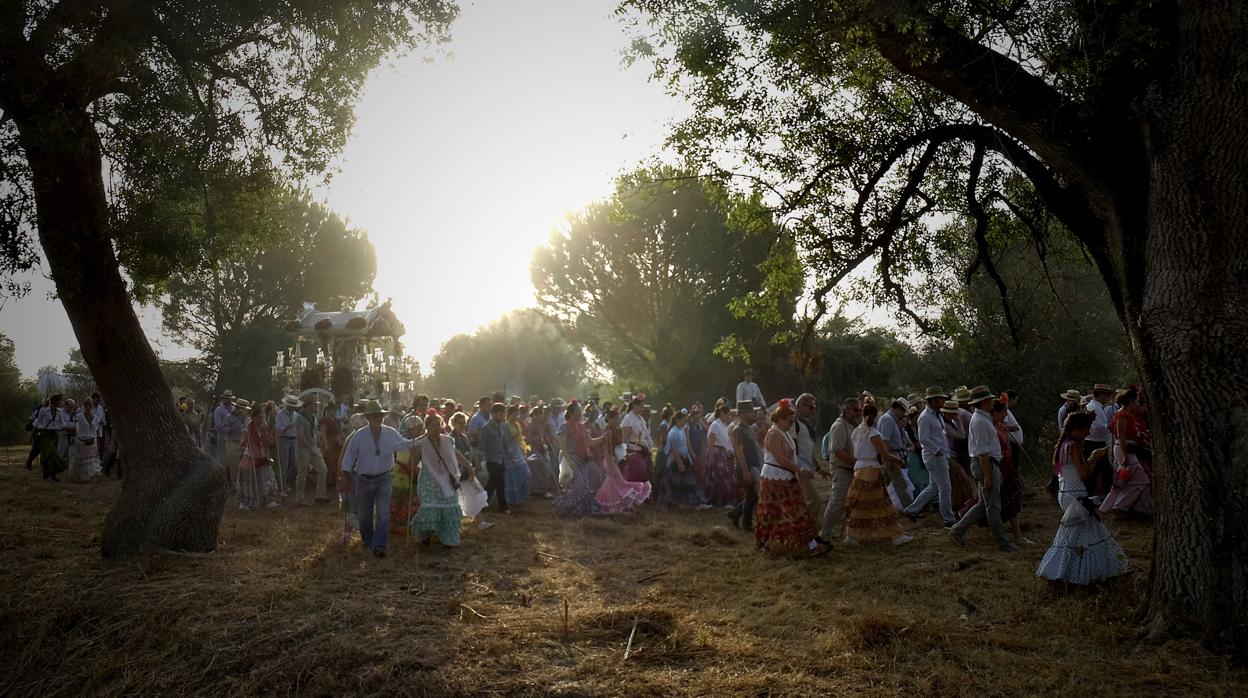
pixel 17 397
pixel 523 352
pixel 230 306
pixel 79 382
pixel 654 279
pixel 201 109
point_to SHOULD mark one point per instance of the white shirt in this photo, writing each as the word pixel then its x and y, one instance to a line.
pixel 366 455
pixel 641 431
pixel 772 471
pixel 983 437
pixel 719 430
pixel 804 444
pixel 50 419
pixel 1100 422
pixel 1015 436
pixel 865 455
pixel 748 390
pixel 932 437
pixel 89 430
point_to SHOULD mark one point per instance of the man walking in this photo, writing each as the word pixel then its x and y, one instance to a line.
pixel 749 458
pixel 840 457
pixel 48 425
pixel 494 437
pixel 287 441
pixel 1101 479
pixel 803 434
pixel 934 444
pixel 309 455
pixel 369 460
pixel 985 450
pixel 229 435
pixel 895 438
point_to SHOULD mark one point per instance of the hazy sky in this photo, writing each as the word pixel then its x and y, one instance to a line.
pixel 462 165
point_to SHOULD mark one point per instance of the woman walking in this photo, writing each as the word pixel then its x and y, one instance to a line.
pixel 617 495
pixel 472 497
pixel 1132 488
pixel 519 477
pixel 577 446
pixel 1083 551
pixel 540 467
pixel 783 523
pixel 720 474
pixel 869 515
pixel 437 486
pixel 681 489
pixel 257 487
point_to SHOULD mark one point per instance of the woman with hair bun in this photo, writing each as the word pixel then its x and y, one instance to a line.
pixel 869 514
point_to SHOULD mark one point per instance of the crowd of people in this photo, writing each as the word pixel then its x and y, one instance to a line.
pixel 434 469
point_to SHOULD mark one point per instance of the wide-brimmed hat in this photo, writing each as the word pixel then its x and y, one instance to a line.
pixel 914 399
pixel 935 391
pixel 557 402
pixel 980 393
pixel 745 405
pixel 1102 388
pixel 242 404
pixel 369 408
pixel 227 395
pixel 962 394
pixel 950 408
pixel 292 401
pixel 1071 394
pixel 905 404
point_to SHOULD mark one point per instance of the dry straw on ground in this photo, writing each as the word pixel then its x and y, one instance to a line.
pixel 540 606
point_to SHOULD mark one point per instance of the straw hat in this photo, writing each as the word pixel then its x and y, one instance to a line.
pixel 227 395
pixel 914 399
pixel 1102 388
pixel 950 408
pixel 935 391
pixel 292 401
pixel 981 393
pixel 1071 394
pixel 745 405
pixel 242 404
pixel 905 404
pixel 369 408
pixel 962 394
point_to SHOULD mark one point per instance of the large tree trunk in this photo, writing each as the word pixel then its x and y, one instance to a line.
pixel 173 496
pixel 1183 310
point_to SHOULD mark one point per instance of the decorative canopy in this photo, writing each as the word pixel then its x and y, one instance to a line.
pixel 370 322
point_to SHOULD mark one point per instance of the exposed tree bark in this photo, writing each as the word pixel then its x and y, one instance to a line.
pixel 1183 295
pixel 173 495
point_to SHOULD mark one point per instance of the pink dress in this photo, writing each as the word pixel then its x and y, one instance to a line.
pixel 617 495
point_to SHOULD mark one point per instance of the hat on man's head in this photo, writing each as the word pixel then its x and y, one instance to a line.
pixel 292 401
pixel 914 398
pixel 950 408
pixel 981 393
pixel 935 391
pixel 370 408
pixel 227 395
pixel 242 404
pixel 905 404
pixel 1101 388
pixel 557 403
pixel 1071 394
pixel 962 394
pixel 745 405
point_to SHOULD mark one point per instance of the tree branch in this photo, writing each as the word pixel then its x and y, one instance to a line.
pixel 984 254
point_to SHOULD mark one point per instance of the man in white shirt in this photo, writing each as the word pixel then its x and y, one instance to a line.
pixel 985 449
pixel 287 441
pixel 369 460
pixel 309 455
pixel 748 391
pixel 803 433
pixel 1013 429
pixel 936 451
pixel 49 422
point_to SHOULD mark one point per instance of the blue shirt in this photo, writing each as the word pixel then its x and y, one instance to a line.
pixel 891 433
pixel 676 443
pixel 494 438
pixel 932 434
pixel 480 419
pixel 367 455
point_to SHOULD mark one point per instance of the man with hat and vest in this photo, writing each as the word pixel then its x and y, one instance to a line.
pixel 369 460
pixel 934 444
pixel 286 426
pixel 985 449
pixel 840 457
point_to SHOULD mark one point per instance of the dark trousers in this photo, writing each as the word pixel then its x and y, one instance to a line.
pixel 497 485
pixel 745 508
pixel 34 450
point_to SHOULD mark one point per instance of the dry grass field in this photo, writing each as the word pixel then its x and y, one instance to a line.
pixel 540 606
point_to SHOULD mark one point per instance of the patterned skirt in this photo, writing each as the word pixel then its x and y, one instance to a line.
pixel 679 488
pixel 577 499
pixel 1083 553
pixel 783 524
pixel 1132 493
pixel 257 487
pixel 619 496
pixel 962 487
pixel 439 515
pixel 869 515
pixel 543 476
pixel 720 478
pixel 519 480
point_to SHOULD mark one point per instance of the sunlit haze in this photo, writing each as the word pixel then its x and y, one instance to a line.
pixel 461 164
